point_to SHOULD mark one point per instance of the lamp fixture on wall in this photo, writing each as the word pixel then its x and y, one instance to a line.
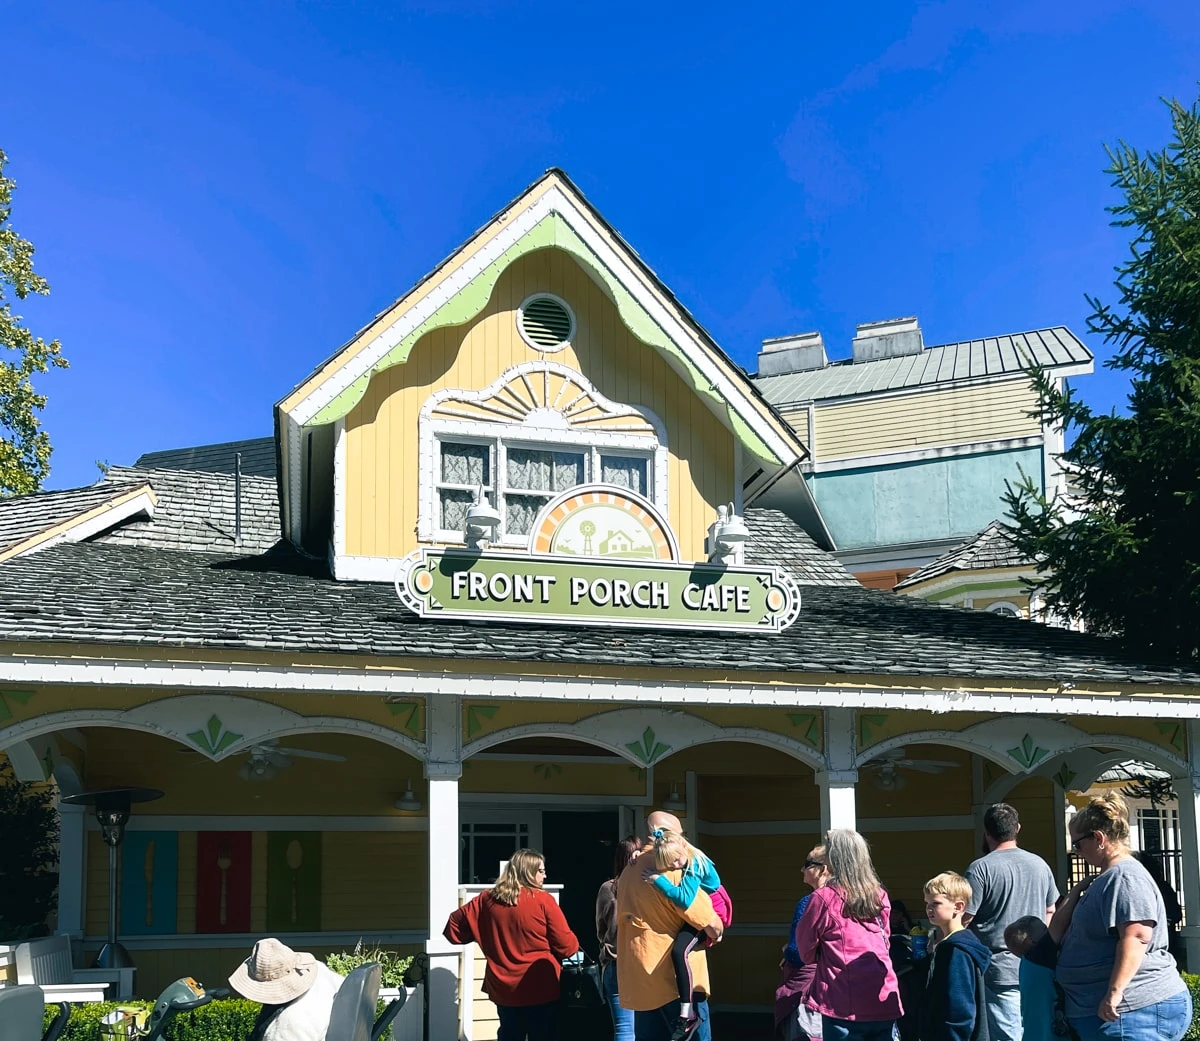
pixel 673 802
pixel 727 537
pixel 408 801
pixel 481 521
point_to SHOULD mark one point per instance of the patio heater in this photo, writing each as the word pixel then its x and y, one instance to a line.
pixel 112 811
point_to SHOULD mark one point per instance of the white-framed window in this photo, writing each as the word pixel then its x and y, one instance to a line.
pixel 1003 607
pixel 520 476
pixel 541 428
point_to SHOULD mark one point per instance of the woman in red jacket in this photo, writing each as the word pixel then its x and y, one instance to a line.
pixel 524 937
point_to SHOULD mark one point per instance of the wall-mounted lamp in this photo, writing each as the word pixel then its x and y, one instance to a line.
pixel 673 803
pixel 481 522
pixel 408 801
pixel 727 537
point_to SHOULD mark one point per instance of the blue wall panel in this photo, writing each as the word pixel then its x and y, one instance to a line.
pixel 921 501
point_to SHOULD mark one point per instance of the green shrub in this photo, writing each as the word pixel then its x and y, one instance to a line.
pixel 229 1020
pixel 393 965
pixel 1193 985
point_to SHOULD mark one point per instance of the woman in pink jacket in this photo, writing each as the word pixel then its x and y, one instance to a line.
pixel 844 932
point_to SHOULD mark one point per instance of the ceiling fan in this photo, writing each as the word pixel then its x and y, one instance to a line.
pixel 268 758
pixel 887 768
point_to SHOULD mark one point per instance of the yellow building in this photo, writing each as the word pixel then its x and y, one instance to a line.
pixel 353 716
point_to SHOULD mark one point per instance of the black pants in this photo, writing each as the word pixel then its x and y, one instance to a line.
pixel 680 949
pixel 528 1022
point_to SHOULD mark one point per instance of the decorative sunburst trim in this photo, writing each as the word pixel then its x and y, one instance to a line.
pixel 547 395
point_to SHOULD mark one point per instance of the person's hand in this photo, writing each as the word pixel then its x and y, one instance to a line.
pixel 714 930
pixel 1107 1010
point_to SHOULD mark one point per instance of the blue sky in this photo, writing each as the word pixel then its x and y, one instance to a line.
pixel 221 194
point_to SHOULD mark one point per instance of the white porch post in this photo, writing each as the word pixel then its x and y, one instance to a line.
pixel 1061 862
pixel 72 869
pixel 840 775
pixel 1188 790
pixel 443 767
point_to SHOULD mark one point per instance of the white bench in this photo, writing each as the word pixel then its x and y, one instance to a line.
pixel 47 963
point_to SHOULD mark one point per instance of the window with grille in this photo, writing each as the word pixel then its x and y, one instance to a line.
pixel 519 479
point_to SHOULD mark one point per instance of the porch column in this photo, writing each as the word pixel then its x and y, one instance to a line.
pixel 840 775
pixel 443 767
pixel 1188 790
pixel 72 869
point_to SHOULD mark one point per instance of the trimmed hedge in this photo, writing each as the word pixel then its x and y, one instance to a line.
pixel 1193 985
pixel 231 1019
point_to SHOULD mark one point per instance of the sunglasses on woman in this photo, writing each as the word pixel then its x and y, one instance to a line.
pixel 813 863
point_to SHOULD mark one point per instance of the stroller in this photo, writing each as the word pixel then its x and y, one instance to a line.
pixel 352 1017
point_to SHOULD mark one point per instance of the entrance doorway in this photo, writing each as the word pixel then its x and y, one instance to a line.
pixel 579 847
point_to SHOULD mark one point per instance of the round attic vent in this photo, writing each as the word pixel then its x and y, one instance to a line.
pixel 546 322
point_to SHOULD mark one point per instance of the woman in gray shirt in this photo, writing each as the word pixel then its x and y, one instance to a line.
pixel 1119 979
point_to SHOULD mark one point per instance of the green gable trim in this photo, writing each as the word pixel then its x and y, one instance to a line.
pixel 1012 587
pixel 551 231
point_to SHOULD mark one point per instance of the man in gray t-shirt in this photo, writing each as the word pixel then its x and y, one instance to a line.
pixel 1007 884
pixel 1124 893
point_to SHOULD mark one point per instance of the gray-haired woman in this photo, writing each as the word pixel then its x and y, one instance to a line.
pixel 844 931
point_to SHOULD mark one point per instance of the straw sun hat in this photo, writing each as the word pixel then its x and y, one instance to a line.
pixel 274 974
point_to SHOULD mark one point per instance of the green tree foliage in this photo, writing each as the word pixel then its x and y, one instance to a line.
pixel 24 445
pixel 1122 549
pixel 28 855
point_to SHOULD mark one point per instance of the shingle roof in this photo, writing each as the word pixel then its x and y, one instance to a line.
pixel 258 458
pixel 971 359
pixel 23 516
pixel 777 539
pixel 109 594
pixel 196 512
pixel 991 548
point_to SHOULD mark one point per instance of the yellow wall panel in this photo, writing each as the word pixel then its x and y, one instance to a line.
pixel 381 431
pixel 906 860
pixel 373 880
pixel 931 419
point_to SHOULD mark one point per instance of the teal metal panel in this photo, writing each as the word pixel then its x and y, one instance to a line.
pixel 921 501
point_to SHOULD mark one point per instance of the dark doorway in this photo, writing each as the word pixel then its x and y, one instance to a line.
pixel 579 847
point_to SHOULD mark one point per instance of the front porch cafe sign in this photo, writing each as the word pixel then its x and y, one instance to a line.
pixel 520 587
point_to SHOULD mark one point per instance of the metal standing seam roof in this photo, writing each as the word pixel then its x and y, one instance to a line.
pixel 24 516
pixel 951 362
pixel 991 548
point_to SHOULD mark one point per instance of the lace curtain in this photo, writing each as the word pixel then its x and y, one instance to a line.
pixel 536 471
pixel 462 464
pixel 465 464
pixel 624 472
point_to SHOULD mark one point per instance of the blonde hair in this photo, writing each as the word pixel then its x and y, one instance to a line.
pixel 852 872
pixel 1106 814
pixel 949 884
pixel 519 873
pixel 668 846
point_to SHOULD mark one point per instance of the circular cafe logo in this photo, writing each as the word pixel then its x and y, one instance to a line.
pixel 602 522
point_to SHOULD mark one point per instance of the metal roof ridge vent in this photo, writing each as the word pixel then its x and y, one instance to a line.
pixel 893 338
pixel 799 352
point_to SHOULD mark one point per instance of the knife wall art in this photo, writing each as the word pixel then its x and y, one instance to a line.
pixel 149 883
